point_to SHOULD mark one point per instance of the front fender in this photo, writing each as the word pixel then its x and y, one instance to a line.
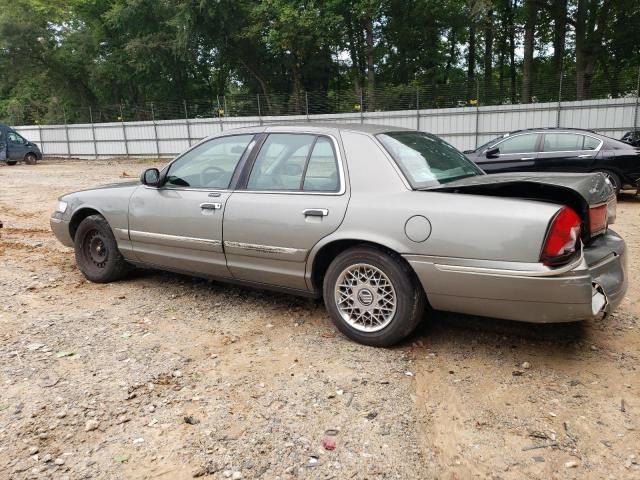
pixel 112 204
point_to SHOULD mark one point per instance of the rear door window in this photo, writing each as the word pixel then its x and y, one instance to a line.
pixel 322 170
pixel 294 162
pixel 567 142
pixel 590 143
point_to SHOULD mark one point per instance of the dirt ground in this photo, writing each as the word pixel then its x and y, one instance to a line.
pixel 167 376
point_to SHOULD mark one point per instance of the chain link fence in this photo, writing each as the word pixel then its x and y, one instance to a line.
pixel 477 92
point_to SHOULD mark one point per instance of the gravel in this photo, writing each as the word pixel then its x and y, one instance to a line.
pixel 167 375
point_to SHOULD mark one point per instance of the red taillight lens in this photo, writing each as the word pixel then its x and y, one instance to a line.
pixel 562 238
pixel 597 219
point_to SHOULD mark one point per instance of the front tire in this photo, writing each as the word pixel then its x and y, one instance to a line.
pixel 97 254
pixel 30 159
pixel 373 297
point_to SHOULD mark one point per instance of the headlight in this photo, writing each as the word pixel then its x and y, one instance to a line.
pixel 62 207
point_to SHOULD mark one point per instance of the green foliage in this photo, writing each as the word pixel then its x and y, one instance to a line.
pixel 59 57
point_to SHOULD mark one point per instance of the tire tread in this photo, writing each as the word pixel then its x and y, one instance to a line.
pixel 119 269
pixel 394 332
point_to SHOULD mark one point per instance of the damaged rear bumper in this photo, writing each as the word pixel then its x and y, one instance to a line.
pixel 590 287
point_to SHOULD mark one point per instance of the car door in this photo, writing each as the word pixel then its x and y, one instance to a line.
pixel 294 194
pixel 17 146
pixel 179 225
pixel 517 154
pixel 568 152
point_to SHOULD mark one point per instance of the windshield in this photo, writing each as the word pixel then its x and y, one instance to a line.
pixel 426 160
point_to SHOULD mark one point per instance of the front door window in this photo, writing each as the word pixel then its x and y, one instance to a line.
pixel 519 144
pixel 15 138
pixel 210 165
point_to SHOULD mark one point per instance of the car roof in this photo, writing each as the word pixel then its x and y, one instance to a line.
pixel 552 129
pixel 326 127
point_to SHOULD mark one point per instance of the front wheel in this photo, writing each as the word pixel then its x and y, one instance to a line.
pixel 97 254
pixel 30 159
pixel 373 297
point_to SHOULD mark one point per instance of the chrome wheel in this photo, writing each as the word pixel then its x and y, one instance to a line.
pixel 365 297
pixel 613 180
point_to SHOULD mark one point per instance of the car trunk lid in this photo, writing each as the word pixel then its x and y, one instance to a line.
pixel 580 191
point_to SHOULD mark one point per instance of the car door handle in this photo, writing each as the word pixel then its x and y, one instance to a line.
pixel 211 206
pixel 527 158
pixel 315 212
pixel 586 155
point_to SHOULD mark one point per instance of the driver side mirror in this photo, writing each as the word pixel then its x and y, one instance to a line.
pixel 492 152
pixel 150 177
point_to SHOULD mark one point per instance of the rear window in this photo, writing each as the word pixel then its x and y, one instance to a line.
pixel 427 160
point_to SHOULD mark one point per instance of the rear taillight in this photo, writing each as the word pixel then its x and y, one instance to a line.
pixel 597 219
pixel 562 238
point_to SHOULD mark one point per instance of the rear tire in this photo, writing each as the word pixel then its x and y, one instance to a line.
pixel 97 254
pixel 30 159
pixel 373 297
pixel 11 162
pixel 613 178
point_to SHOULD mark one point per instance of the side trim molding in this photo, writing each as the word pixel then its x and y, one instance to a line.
pixel 175 240
pixel 263 248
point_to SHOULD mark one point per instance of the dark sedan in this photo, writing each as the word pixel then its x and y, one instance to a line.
pixel 561 150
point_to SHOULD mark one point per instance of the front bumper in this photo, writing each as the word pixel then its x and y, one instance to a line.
pixel 592 286
pixel 60 228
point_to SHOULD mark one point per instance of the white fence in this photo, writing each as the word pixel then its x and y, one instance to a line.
pixel 465 127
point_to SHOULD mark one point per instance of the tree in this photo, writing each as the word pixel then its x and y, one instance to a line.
pixel 59 57
pixel 530 11
pixel 590 24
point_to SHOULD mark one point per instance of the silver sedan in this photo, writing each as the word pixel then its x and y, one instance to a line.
pixel 388 225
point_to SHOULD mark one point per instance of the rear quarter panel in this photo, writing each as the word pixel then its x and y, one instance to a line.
pixel 462 226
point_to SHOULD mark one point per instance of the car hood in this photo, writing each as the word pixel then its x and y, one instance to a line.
pixel 101 188
pixel 594 188
pixel 117 185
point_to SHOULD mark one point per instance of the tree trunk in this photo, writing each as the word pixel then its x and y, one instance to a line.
pixel 512 50
pixel 527 63
pixel 451 57
pixel 581 54
pixel 559 33
pixel 590 28
pixel 263 85
pixel 368 27
pixel 471 62
pixel 502 47
pixel 355 60
pixel 488 59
